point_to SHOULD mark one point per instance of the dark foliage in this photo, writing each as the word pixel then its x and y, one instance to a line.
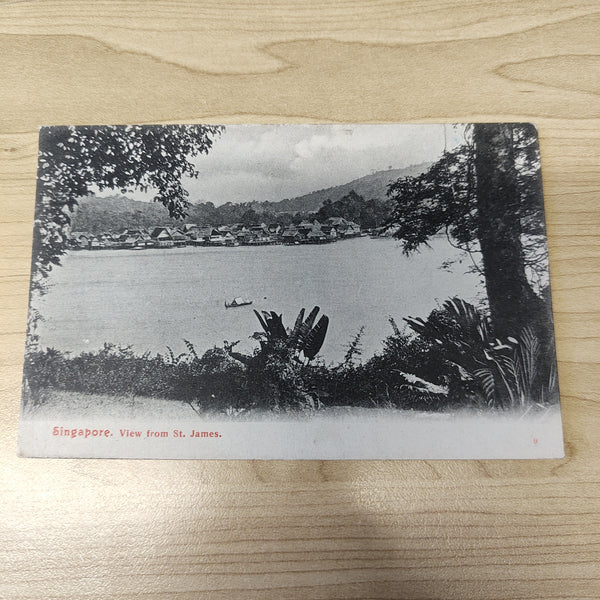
pixel 73 159
pixel 216 379
pixel 353 207
pixel 449 359
pixel 507 373
pixel 117 213
pixel 486 196
pixel 304 340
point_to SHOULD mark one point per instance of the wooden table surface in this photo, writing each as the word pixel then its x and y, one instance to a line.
pixel 208 529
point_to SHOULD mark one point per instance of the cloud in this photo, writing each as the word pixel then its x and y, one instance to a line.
pixel 272 162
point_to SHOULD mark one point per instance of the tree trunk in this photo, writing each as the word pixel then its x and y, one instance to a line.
pixel 513 304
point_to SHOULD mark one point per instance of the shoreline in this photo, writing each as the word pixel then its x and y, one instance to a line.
pixel 219 245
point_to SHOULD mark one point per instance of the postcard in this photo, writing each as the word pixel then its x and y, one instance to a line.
pixel 294 291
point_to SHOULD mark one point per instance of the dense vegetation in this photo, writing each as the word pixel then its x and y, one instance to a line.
pixel 373 185
pixel 486 195
pixel 117 213
pixel 72 160
pixel 363 201
pixel 450 359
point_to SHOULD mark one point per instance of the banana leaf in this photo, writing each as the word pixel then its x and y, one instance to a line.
pixel 261 321
pixel 315 338
pixel 294 335
pixel 306 327
pixel 277 329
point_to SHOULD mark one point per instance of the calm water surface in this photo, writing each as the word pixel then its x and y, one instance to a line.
pixel 156 298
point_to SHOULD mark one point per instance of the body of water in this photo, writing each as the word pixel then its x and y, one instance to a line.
pixel 155 298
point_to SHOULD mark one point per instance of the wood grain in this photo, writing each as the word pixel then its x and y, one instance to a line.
pixel 487 530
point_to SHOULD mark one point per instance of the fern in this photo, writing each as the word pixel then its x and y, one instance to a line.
pixel 171 358
pixel 191 349
pixel 394 325
pixel 354 346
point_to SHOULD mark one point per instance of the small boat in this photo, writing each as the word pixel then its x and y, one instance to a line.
pixel 239 301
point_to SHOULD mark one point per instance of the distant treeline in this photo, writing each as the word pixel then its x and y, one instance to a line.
pixel 363 200
pixel 116 213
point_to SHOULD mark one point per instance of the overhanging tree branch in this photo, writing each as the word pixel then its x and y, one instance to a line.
pixel 138 157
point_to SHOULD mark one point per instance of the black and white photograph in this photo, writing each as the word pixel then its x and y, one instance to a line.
pixel 298 291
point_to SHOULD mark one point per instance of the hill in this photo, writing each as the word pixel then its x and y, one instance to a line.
pixel 115 213
pixel 369 186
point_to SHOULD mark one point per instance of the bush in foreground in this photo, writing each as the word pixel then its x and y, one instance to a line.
pixel 450 359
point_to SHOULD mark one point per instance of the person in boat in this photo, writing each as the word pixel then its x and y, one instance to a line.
pixel 239 301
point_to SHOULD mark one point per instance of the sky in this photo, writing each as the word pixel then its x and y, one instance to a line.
pixel 272 162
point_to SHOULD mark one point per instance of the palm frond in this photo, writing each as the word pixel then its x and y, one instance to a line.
pixel 485 377
pixel 312 317
pixel 171 358
pixel 528 354
pixel 272 324
pixel 417 324
pixel 504 364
